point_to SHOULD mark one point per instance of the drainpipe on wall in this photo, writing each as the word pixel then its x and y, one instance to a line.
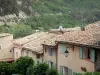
pixel 56 56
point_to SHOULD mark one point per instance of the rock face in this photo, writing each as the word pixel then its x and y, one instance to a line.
pixel 19 10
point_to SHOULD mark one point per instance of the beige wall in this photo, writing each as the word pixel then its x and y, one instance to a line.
pixel 6 45
pixel 47 57
pixel 73 61
pixel 17 53
pixel 30 54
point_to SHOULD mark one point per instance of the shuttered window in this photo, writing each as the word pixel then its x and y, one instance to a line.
pixel 69 71
pixel 92 55
pixel 50 51
pixel 61 70
pixel 81 52
pixel 63 48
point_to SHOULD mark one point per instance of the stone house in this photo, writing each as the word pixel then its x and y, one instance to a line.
pixel 6 47
pixel 31 46
pixel 82 48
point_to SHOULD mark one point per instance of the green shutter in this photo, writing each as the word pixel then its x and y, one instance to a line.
pixel 92 55
pixel 61 70
pixel 69 71
pixel 81 52
pixel 63 48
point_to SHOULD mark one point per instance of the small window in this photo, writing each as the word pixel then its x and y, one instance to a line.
pixel 16 54
pixel 63 48
pixel 50 51
pixel 87 53
pixel 50 63
pixel 45 49
pixel 64 70
pixel 38 56
pixel 38 62
pixel 27 53
pixel 0 47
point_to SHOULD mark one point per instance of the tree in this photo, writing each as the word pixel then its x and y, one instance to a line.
pixel 20 30
pixel 23 63
pixel 4 68
pixel 52 72
pixel 40 69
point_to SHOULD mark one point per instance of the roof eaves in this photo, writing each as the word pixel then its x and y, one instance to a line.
pixel 77 44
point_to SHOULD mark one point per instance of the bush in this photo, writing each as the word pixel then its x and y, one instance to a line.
pixel 20 30
pixel 40 69
pixel 52 72
pixel 23 64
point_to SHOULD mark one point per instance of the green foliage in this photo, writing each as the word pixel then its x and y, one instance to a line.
pixel 23 64
pixel 90 73
pixel 30 70
pixel 20 30
pixel 68 13
pixel 40 69
pixel 18 67
pixel 17 30
pixel 52 72
pixel 4 68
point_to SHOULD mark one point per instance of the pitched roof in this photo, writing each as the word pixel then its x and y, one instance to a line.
pixel 36 45
pixel 85 37
pixel 34 42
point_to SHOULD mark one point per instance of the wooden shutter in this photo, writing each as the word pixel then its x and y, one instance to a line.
pixel 92 55
pixel 63 48
pixel 81 52
pixel 66 70
pixel 69 71
pixel 61 70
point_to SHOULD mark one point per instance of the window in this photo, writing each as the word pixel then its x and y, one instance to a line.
pixel 69 71
pixel 50 63
pixel 0 47
pixel 38 62
pixel 16 54
pixel 50 51
pixel 45 49
pixel 87 53
pixel 63 48
pixel 27 53
pixel 65 70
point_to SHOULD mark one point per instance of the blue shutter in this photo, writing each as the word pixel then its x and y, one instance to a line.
pixel 61 70
pixel 92 55
pixel 69 71
pixel 81 52
pixel 63 48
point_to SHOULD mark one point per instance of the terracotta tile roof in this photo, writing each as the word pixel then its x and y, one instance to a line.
pixel 36 45
pixel 83 37
pixel 34 42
